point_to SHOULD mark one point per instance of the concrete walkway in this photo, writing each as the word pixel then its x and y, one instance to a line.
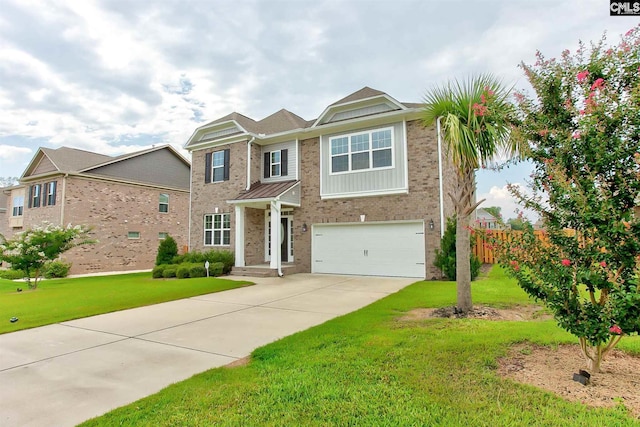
pixel 63 374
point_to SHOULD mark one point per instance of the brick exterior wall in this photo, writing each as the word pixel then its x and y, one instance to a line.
pixel 421 203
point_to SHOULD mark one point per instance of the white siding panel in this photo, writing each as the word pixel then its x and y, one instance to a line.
pixel 372 180
pixel 292 161
pixel 370 249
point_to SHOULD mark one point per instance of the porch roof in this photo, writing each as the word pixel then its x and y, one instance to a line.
pixel 262 192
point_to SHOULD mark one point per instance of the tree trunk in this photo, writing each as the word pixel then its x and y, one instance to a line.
pixel 594 355
pixel 463 264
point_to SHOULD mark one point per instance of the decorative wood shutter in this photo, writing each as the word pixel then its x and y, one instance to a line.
pixel 227 154
pixel 267 165
pixel 207 168
pixel 45 193
pixel 30 196
pixel 284 162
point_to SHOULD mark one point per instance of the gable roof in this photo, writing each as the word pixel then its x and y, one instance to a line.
pixel 170 169
pixel 364 93
pixel 364 104
pixel 66 159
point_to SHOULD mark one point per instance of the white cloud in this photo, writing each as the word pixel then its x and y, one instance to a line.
pixel 500 196
pixel 10 152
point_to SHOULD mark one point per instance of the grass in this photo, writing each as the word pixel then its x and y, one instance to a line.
pixel 58 300
pixel 372 368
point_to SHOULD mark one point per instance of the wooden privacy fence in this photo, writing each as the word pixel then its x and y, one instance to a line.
pixel 483 249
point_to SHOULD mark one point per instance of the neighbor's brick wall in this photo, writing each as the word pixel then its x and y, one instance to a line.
pixel 114 209
pixel 422 202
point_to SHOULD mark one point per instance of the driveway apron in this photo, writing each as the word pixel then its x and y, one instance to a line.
pixel 65 373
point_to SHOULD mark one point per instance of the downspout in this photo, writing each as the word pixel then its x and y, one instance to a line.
pixel 64 198
pixel 249 162
pixel 440 177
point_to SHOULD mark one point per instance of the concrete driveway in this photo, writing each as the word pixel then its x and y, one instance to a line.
pixel 63 374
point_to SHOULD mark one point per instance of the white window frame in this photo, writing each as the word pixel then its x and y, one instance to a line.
pixel 272 163
pixel 36 196
pixel 161 203
pixel 214 166
pixel 162 235
pixel 133 235
pixel 51 192
pixel 370 151
pixel 212 230
pixel 17 206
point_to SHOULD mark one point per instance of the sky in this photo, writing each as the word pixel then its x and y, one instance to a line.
pixel 115 76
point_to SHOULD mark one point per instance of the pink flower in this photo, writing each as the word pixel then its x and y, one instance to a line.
pixel 515 266
pixel 628 33
pixel 479 109
pixel 603 264
pixel 616 330
pixel 582 112
pixel 582 76
pixel 543 132
pixel 597 84
pixel 566 262
pixel 576 135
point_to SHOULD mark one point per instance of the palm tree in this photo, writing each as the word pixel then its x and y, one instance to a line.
pixel 476 119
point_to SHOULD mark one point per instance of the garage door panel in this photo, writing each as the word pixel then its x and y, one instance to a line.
pixel 381 249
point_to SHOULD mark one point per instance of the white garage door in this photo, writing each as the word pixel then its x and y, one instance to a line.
pixel 370 249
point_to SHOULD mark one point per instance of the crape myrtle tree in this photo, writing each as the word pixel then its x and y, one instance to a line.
pixel 583 127
pixel 476 117
pixel 31 249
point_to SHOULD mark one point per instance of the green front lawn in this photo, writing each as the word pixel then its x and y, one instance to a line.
pixel 371 368
pixel 58 300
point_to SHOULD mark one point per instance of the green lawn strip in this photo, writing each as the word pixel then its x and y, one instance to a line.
pixel 371 368
pixel 58 300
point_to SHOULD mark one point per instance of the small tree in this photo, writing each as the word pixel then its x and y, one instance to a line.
pixel 446 256
pixel 583 127
pixel 31 249
pixel 167 250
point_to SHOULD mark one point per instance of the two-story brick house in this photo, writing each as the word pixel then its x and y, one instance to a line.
pixel 131 202
pixel 359 190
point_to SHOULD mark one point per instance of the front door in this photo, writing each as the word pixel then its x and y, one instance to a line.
pixel 284 239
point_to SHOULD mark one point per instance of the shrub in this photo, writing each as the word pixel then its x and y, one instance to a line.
pixel 227 258
pixel 157 271
pixel 56 269
pixel 216 269
pixel 169 272
pixel 167 250
pixel 446 256
pixel 183 271
pixel 198 270
pixel 12 274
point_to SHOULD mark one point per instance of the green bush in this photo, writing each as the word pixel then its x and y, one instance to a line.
pixel 446 256
pixel 157 271
pixel 216 269
pixel 12 274
pixel 197 270
pixel 227 258
pixel 56 269
pixel 169 272
pixel 183 271
pixel 167 250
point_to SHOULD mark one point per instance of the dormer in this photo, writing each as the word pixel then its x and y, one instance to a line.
pixel 227 129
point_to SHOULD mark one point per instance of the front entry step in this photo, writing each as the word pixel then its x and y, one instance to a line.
pixel 261 270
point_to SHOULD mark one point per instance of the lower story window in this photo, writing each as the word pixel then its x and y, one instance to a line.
pixel 217 229
pixel 133 235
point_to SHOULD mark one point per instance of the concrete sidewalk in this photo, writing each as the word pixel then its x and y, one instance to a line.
pixel 63 374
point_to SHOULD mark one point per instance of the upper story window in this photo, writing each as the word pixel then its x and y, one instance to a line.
pixel 217 229
pixel 217 166
pixel 18 206
pixel 34 195
pixel 276 163
pixel 51 193
pixel 163 205
pixel 362 151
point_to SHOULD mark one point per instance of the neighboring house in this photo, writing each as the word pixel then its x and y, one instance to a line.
pixel 356 191
pixel 131 202
pixel 3 213
pixel 486 220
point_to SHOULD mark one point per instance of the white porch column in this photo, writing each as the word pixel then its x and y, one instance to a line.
pixel 275 235
pixel 239 238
